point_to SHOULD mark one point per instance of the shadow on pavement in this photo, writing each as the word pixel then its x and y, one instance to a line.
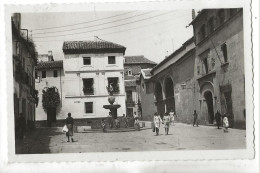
pixel 36 142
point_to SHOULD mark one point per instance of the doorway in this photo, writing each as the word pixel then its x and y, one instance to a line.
pixel 51 116
pixel 209 100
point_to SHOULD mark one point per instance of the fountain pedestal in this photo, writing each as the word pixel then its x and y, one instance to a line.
pixel 113 109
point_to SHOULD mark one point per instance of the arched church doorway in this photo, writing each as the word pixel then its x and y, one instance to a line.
pixel 209 100
pixel 169 95
pixel 159 99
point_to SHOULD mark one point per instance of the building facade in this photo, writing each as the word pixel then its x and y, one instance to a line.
pixel 173 83
pixel 24 61
pixel 48 74
pixel 147 95
pixel 132 70
pixel 89 67
pixel 219 65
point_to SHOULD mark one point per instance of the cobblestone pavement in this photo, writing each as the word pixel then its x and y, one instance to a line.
pixel 181 137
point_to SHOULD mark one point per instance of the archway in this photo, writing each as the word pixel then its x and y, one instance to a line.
pixel 209 100
pixel 159 99
pixel 169 95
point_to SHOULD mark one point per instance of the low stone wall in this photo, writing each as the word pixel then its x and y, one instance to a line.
pixel 60 123
pixel 96 123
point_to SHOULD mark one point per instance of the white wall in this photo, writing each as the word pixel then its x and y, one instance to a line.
pixel 49 81
pixel 99 62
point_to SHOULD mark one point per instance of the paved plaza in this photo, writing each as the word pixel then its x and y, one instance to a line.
pixel 181 137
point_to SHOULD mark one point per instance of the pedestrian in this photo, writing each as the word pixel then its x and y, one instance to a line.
pixel 109 117
pixel 103 125
pixel 171 113
pixel 195 120
pixel 136 117
pixel 125 120
pixel 218 118
pixel 21 126
pixel 166 121
pixel 69 124
pixel 225 123
pixel 157 120
pixel 117 123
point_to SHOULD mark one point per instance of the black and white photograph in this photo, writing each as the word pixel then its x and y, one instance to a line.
pixel 120 81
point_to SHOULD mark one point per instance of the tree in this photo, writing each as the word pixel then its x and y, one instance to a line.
pixel 50 101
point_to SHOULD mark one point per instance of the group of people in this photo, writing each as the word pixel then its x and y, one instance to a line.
pixel 168 119
pixel 225 121
pixel 218 118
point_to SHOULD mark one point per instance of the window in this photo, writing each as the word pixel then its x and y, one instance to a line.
pixel 86 61
pixel 224 51
pixel 43 74
pixel 221 17
pixel 129 97
pixel 111 59
pixel 88 86
pixel 55 73
pixel 130 73
pixel 211 25
pixel 88 107
pixel 114 82
pixel 205 62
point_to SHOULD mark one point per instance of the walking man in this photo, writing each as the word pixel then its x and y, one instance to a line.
pixel 69 123
pixel 195 120
pixel 218 118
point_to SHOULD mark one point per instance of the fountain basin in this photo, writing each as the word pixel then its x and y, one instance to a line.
pixel 111 106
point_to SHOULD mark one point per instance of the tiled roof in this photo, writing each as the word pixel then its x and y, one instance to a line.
pixel 146 73
pixel 130 83
pixel 129 77
pixel 139 59
pixel 176 52
pixel 96 46
pixel 49 64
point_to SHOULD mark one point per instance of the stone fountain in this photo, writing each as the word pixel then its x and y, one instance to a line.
pixel 111 99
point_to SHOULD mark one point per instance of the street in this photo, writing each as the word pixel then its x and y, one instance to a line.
pixel 181 137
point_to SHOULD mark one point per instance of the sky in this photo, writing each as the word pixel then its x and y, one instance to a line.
pixel 154 34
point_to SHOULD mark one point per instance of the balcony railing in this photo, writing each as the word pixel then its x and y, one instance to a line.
pixel 88 91
pixel 130 103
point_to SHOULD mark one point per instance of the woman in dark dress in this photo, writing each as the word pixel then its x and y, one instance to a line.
pixel 69 123
pixel 218 118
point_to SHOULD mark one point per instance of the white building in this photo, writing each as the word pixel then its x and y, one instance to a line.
pixel 89 66
pixel 49 73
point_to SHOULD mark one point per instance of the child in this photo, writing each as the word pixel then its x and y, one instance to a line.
pixel 225 124
pixel 117 123
pixel 103 125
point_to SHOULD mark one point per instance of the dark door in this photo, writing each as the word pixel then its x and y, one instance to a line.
pixel 209 100
pixel 129 112
pixel 51 116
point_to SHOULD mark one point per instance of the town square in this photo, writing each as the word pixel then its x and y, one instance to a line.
pixel 126 81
